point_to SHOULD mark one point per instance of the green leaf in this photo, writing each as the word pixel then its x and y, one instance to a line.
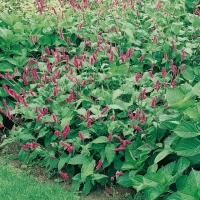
pixel 196 89
pixel 154 192
pixel 78 160
pixel 101 139
pixel 153 179
pixel 193 113
pixel 196 22
pixel 119 70
pixel 22 155
pixel 65 121
pixel 87 187
pixel 176 26
pixel 186 147
pixel 63 159
pixel 188 193
pixel 6 67
pixel 87 169
pixel 186 130
pixel 188 73
pixel 125 180
pixel 181 182
pixel 110 154
pixel 181 165
pixel 116 94
pixel 98 177
pixel 6 141
pixel 194 178
pixel 24 136
pixel 162 155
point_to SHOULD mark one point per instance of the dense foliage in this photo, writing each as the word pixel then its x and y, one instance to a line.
pixel 107 91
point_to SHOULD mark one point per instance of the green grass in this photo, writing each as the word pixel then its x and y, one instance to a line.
pixel 16 185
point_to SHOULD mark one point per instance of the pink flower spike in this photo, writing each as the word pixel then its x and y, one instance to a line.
pixel 61 34
pixel 141 58
pixel 108 189
pixel 109 137
pixel 104 110
pixel 54 117
pixel 89 122
pixel 136 114
pixel 64 175
pixel 112 117
pixel 164 72
pixel 64 144
pixel 153 102
pixel 115 29
pixel 151 74
pixel 144 93
pixel 130 114
pixel 71 148
pixel 182 55
pixel 112 178
pixel 57 133
pixel 99 164
pixel 119 173
pixel 81 136
pixel 87 114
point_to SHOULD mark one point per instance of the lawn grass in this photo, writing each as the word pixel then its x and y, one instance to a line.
pixel 15 185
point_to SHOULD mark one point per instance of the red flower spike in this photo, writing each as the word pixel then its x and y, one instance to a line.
pixel 136 114
pixel 112 117
pixel 165 56
pixel 81 136
pixel 173 45
pixel 54 117
pixel 57 133
pixel 141 58
pixel 89 122
pixel 64 175
pixel 104 110
pixel 130 114
pixel 38 117
pixel 153 102
pixel 71 148
pixel 99 164
pixel 164 72
pixel 115 29
pixel 119 173
pixel 87 114
pixel 108 189
pixel 112 178
pixel 121 148
pixel 183 68
pixel 64 144
pixel 109 137
pixel 151 74
pixel 144 93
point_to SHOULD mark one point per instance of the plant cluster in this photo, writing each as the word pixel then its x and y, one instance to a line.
pixel 106 92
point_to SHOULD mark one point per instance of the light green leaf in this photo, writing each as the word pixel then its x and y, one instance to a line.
pixel 63 159
pixel 186 130
pixel 125 180
pixel 77 160
pixel 101 139
pixel 162 155
pixel 110 154
pixel 87 169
